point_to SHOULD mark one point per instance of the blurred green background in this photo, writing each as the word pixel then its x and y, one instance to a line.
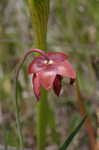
pixel 73 28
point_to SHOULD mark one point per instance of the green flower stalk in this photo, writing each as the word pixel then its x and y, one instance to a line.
pixel 40 11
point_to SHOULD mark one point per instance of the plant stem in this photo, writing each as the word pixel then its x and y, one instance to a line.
pixel 39 11
pixel 88 123
pixel 42 123
pixel 18 120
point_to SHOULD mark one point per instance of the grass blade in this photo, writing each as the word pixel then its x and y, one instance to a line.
pixel 72 135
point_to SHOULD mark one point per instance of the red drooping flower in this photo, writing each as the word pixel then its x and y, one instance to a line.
pixel 48 71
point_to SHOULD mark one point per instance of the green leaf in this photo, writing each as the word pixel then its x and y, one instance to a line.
pixel 72 135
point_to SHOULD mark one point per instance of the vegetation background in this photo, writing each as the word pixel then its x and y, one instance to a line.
pixel 73 28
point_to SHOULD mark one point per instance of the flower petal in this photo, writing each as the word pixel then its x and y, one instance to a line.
pixel 47 78
pixel 72 81
pixel 57 56
pixel 37 65
pixel 65 69
pixel 57 85
pixel 36 85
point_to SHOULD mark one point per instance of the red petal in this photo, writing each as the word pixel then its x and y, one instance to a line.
pixel 37 65
pixel 36 85
pixel 57 56
pixel 47 78
pixel 57 84
pixel 72 81
pixel 65 69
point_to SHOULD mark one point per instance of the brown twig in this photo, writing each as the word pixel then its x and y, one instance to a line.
pixel 88 124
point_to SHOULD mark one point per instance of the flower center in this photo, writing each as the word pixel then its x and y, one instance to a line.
pixel 45 61
pixel 48 62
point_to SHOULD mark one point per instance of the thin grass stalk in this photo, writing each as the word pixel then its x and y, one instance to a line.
pixel 18 122
pixel 19 129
